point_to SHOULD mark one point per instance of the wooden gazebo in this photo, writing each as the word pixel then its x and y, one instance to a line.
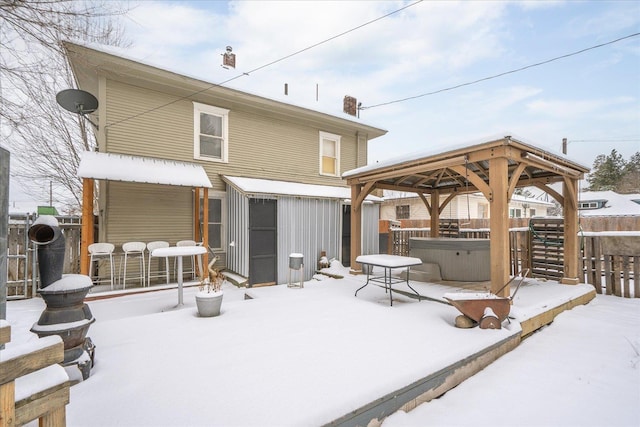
pixel 494 168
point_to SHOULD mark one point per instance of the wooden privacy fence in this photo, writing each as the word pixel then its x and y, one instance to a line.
pixel 611 262
pixel 610 259
pixel 32 384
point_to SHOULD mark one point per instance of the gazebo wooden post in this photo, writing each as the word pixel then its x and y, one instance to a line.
pixel 571 249
pixel 356 226
pixel 87 237
pixel 435 214
pixel 499 224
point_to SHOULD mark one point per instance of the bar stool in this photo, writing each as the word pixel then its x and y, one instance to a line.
pixel 134 250
pixel 192 269
pixel 150 247
pixel 97 252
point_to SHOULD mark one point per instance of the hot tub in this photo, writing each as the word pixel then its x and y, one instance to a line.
pixel 465 260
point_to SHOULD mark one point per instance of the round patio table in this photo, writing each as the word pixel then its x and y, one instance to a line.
pixel 179 252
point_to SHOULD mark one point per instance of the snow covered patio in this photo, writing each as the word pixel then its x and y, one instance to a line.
pixel 286 357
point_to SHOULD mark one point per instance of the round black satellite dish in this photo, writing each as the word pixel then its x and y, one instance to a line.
pixel 77 101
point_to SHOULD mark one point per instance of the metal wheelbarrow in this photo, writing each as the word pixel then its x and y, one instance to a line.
pixel 484 308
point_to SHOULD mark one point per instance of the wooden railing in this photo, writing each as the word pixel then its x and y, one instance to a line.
pixel 32 384
pixel 610 260
pixel 399 239
pixel 21 253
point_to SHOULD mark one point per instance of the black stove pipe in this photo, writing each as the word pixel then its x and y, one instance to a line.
pixel 51 248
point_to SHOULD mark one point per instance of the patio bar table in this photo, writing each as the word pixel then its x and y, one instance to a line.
pixel 179 252
pixel 388 263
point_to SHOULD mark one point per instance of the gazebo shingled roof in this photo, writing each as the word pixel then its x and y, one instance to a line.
pixel 495 168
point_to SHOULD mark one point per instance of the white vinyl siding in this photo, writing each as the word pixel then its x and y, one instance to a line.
pixel 147 212
pixel 256 140
pixel 210 133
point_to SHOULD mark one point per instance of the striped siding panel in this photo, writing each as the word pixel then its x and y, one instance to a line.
pixel 348 153
pixel 259 146
pixel 237 232
pixel 307 226
pixel 166 132
pixel 370 219
pixel 147 212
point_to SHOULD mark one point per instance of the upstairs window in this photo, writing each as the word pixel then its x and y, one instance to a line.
pixel 211 137
pixel 329 154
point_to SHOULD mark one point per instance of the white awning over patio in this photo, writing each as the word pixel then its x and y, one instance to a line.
pixel 120 167
pixel 255 186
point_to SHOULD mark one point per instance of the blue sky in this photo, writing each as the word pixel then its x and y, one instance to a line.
pixel 592 99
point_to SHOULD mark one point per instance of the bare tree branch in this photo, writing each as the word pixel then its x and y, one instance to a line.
pixel 46 141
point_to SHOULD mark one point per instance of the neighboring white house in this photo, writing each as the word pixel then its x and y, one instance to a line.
pixel 608 203
pixel 398 206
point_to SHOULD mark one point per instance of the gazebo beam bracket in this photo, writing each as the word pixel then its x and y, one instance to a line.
pixel 573 197
pixel 446 202
pixel 553 193
pixel 478 182
pixel 364 192
pixel 515 177
pixel 425 201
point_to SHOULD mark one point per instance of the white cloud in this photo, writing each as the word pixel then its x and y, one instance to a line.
pixel 424 40
pixel 620 18
pixel 573 109
pixel 425 48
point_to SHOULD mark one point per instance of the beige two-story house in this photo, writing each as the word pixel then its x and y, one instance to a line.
pixel 274 169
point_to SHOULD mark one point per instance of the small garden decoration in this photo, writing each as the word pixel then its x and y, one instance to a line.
pixel 209 297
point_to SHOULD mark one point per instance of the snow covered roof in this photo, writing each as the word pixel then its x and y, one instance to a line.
pixel 615 204
pixel 467 145
pixel 148 170
pixel 109 60
pixel 285 188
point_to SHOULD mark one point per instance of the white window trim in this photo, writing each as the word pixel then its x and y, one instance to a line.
pixel 588 205
pixel 332 137
pixel 216 111
pixel 222 196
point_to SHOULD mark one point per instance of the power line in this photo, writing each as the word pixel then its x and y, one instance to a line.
pixel 502 74
pixel 265 65
pixel 605 140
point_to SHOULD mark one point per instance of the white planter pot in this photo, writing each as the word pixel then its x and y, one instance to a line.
pixel 209 303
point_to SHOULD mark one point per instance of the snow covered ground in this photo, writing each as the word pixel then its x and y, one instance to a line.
pixel 582 370
pixel 303 357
